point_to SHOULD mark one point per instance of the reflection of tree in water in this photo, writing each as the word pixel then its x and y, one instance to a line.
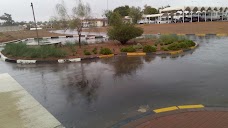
pixel 125 65
pixel 80 83
pixel 148 59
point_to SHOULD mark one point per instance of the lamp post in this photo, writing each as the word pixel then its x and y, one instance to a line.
pixel 35 23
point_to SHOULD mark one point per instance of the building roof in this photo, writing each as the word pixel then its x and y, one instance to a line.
pixel 193 8
pixel 153 15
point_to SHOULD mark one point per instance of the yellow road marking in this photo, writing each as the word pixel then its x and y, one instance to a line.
pixel 221 35
pixel 190 106
pixel 166 109
pixel 200 34
pixel 105 56
pixel 136 54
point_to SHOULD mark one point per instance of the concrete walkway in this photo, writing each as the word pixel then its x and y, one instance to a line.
pixel 19 109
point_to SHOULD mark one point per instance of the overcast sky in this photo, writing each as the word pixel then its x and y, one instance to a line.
pixel 44 9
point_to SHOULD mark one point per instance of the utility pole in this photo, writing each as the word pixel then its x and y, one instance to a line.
pixel 107 4
pixel 35 23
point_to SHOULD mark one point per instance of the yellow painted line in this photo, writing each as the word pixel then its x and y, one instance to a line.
pixel 200 34
pixel 221 35
pixel 136 54
pixel 166 109
pixel 176 52
pixel 190 106
pixel 105 56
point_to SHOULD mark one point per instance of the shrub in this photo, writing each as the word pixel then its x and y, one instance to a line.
pixel 124 32
pixel 95 51
pixel 86 52
pixel 182 45
pixel 22 50
pixel 138 46
pixel 164 49
pixel 105 51
pixel 189 43
pixel 149 49
pixel 128 49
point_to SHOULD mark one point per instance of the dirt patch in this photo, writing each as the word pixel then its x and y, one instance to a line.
pixel 179 28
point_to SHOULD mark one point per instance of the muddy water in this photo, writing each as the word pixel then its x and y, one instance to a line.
pixel 99 93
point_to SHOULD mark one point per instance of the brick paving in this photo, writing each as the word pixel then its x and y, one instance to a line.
pixel 206 118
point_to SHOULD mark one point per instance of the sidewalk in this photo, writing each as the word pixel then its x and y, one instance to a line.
pixel 188 118
pixel 20 110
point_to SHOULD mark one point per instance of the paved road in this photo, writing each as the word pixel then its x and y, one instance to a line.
pixel 103 92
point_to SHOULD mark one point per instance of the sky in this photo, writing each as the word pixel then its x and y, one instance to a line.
pixel 44 9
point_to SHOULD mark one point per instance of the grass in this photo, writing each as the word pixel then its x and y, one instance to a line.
pixel 71 46
pixel 22 50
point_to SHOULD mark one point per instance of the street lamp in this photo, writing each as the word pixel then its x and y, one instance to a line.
pixel 35 23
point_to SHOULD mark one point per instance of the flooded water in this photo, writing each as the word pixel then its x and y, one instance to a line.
pixel 99 93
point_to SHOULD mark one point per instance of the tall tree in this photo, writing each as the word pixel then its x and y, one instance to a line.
pixel 107 14
pixel 149 10
pixel 81 11
pixel 123 10
pixel 135 14
pixel 115 19
pixel 7 18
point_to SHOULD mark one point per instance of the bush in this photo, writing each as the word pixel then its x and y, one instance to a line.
pixel 105 51
pixel 124 32
pixel 128 49
pixel 95 51
pixel 138 46
pixel 182 45
pixel 149 49
pixel 86 52
pixel 22 50
pixel 164 49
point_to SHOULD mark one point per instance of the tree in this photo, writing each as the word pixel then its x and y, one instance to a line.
pixel 135 14
pixel 107 14
pixel 7 18
pixel 80 12
pixel 115 19
pixel 150 10
pixel 123 10
pixel 124 32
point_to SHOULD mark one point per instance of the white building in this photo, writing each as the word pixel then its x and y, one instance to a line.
pixel 190 14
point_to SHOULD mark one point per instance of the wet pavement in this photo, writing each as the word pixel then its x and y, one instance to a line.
pixel 102 92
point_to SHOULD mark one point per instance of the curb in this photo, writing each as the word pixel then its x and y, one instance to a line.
pixel 161 111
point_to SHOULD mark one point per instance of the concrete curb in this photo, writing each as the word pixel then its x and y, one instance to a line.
pixel 160 112
pixel 61 61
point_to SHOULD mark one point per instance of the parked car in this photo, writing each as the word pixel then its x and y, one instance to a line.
pixel 186 19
